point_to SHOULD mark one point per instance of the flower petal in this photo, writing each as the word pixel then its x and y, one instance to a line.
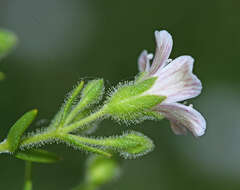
pixel 178 130
pixel 183 116
pixel 176 81
pixel 164 47
pixel 144 61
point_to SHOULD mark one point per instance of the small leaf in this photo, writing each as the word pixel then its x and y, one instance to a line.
pixel 37 155
pixel 72 97
pixel 17 130
pixel 7 41
pixel 91 94
pixel 93 91
pixel 61 115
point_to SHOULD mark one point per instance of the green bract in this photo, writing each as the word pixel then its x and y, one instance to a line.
pixel 129 103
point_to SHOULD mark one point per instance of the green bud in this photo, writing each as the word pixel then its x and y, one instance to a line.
pixel 73 140
pixel 101 170
pixel 129 103
pixel 134 144
pixel 7 41
pixel 130 145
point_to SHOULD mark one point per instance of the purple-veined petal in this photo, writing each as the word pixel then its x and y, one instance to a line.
pixel 164 47
pixel 178 130
pixel 144 61
pixel 182 116
pixel 176 81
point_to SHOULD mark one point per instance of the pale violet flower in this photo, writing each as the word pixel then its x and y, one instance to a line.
pixel 176 81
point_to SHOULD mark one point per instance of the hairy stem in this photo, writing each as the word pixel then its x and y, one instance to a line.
pixel 39 138
pixel 84 122
pixel 50 136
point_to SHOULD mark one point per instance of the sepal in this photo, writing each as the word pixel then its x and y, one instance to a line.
pixel 129 103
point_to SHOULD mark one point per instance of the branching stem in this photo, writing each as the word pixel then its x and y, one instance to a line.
pixel 58 133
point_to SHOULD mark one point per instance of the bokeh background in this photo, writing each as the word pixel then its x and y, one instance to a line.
pixel 62 41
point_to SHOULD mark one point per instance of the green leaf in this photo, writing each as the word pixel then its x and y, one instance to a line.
pixel 37 155
pixel 93 91
pixel 72 97
pixel 91 94
pixel 17 130
pixel 61 115
pixel 7 41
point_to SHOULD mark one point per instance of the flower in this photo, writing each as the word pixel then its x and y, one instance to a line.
pixel 176 81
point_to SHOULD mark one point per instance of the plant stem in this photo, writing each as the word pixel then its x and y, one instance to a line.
pixel 84 121
pixel 74 112
pixel 49 136
pixel 28 174
pixel 42 137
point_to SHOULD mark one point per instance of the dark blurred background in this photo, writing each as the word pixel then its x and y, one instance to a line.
pixel 62 41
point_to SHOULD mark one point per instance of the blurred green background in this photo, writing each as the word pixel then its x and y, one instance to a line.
pixel 62 41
